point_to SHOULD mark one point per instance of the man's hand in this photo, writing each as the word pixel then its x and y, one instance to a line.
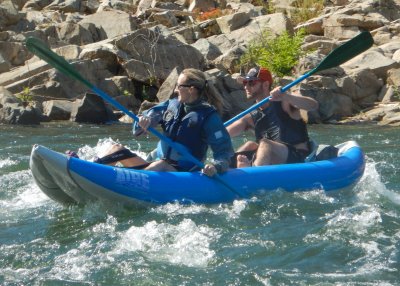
pixel 276 94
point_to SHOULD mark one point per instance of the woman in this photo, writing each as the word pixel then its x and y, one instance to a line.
pixel 193 120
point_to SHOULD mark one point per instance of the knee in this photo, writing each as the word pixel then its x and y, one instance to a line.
pixel 264 142
pixel 249 146
pixel 252 145
pixel 114 148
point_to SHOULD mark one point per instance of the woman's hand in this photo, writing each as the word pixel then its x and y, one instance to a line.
pixel 209 170
pixel 144 122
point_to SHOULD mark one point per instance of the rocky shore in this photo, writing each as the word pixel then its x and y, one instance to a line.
pixel 135 49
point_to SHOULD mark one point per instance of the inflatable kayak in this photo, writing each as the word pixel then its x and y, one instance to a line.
pixel 71 180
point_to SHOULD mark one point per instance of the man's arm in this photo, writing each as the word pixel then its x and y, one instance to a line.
pixel 302 102
pixel 240 125
pixel 292 103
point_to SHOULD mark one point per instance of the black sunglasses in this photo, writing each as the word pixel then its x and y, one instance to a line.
pixel 250 82
pixel 182 85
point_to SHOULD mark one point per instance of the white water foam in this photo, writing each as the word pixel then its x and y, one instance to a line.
pixel 318 196
pixel 359 226
pixel 184 244
pixel 73 265
pixel 7 162
pixel 20 190
pixel 371 186
pixel 87 257
pixel 230 211
pixel 21 197
pixel 100 150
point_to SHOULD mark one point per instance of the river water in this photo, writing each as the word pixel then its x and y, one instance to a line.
pixel 345 237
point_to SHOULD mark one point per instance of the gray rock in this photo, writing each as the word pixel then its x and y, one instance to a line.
pixel 20 115
pixel 153 55
pixel 57 109
pixel 90 109
pixel 107 25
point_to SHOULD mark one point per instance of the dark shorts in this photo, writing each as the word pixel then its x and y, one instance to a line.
pixel 294 156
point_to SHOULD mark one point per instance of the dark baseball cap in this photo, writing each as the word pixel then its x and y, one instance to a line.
pixel 257 73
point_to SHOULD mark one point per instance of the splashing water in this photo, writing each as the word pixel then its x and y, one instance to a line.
pixel 345 237
pixel 185 243
pixel 7 162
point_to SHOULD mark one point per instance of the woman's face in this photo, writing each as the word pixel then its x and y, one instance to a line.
pixel 186 93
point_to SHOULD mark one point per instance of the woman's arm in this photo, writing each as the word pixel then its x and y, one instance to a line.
pixel 154 114
pixel 217 137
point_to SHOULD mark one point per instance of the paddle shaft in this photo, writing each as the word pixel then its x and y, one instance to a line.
pixel 338 56
pixel 58 62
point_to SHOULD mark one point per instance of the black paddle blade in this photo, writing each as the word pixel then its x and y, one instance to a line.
pixel 40 49
pixel 346 51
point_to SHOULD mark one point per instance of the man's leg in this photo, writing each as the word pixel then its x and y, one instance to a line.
pixel 248 146
pixel 270 153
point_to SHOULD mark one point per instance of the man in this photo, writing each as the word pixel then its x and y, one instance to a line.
pixel 281 133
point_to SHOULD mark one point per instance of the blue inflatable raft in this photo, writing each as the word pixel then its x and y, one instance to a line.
pixel 70 180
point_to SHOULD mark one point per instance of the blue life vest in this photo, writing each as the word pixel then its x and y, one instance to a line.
pixel 185 128
pixel 275 124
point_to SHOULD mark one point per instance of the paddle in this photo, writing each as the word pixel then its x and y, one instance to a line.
pixel 40 49
pixel 338 56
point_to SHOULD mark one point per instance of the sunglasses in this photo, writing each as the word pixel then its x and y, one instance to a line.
pixel 250 82
pixel 180 86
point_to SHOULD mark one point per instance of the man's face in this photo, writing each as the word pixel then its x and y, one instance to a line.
pixel 253 88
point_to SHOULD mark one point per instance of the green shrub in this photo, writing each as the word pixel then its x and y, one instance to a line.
pixel 279 54
pixel 396 93
pixel 127 93
pixel 26 95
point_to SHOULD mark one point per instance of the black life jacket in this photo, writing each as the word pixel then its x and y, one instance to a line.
pixel 275 124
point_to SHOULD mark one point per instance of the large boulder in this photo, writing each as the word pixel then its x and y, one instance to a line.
pixel 57 109
pixel 110 24
pixel 14 111
pixel 21 115
pixel 373 60
pixel 91 109
pixel 76 34
pixel 362 86
pixel 13 53
pixel 154 56
pixel 9 14
pixel 275 23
